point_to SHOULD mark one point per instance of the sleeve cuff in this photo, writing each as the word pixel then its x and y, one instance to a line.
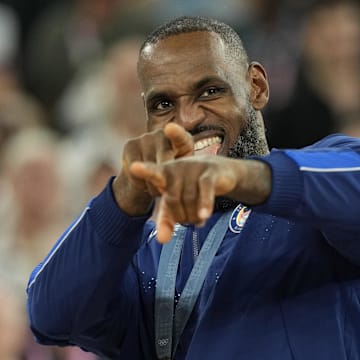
pixel 287 184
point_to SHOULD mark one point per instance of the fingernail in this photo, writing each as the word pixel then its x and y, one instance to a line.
pixel 204 213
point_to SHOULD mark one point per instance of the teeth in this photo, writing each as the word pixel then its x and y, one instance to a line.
pixel 202 144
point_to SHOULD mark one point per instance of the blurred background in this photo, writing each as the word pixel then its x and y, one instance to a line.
pixel 69 98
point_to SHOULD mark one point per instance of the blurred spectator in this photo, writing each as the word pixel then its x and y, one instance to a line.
pixel 66 37
pixel 327 92
pixel 32 215
pixel 106 93
pixel 126 108
pixel 87 165
pixel 100 110
pixel 34 207
pixel 17 111
pixel 99 175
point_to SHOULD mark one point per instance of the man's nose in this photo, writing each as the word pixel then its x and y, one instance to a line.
pixel 189 115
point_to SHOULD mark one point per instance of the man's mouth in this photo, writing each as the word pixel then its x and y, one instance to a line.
pixel 209 145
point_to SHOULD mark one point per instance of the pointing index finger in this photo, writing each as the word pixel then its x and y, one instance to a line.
pixel 181 141
pixel 150 173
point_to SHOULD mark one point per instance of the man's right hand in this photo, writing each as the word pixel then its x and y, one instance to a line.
pixel 133 195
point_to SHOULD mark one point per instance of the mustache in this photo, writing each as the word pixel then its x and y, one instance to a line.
pixel 201 128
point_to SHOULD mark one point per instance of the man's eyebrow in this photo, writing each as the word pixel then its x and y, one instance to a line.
pixel 205 81
pixel 154 95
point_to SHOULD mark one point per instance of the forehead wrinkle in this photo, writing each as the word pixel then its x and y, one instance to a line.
pixel 193 74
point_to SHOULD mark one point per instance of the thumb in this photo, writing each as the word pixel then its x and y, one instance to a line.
pixel 181 141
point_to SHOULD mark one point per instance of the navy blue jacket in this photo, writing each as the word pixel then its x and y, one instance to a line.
pixel 286 287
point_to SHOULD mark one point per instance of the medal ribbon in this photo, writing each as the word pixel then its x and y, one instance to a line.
pixel 169 324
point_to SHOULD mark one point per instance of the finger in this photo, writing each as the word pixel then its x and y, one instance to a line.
pixel 135 182
pixel 189 199
pixel 206 197
pixel 181 141
pixel 125 167
pixel 149 172
pixel 165 222
pixel 209 188
pixel 224 184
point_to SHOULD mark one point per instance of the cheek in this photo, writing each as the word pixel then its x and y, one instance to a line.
pixel 236 121
pixel 156 122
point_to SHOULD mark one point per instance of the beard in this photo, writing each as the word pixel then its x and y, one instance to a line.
pixel 250 142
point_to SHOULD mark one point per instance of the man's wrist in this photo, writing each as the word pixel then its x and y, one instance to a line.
pixel 132 202
pixel 254 186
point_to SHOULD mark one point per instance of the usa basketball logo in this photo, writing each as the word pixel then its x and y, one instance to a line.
pixel 238 218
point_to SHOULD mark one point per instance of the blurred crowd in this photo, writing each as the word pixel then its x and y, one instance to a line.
pixel 69 99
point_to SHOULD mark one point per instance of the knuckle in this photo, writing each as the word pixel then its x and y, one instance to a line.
pixel 206 179
pixel 152 190
pixel 190 194
pixel 130 146
pixel 173 203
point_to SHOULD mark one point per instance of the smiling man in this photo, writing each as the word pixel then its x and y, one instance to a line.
pixel 248 258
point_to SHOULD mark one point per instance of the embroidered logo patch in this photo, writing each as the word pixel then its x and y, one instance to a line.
pixel 238 218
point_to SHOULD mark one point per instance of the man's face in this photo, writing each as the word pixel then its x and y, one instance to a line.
pixel 188 79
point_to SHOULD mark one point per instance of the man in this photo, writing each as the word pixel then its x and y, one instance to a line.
pixel 266 262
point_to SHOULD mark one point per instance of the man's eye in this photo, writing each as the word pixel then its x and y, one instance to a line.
pixel 211 91
pixel 162 105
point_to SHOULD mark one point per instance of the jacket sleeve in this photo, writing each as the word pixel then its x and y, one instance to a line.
pixel 71 294
pixel 320 185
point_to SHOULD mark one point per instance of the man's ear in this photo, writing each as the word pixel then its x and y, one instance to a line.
pixel 143 98
pixel 259 85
